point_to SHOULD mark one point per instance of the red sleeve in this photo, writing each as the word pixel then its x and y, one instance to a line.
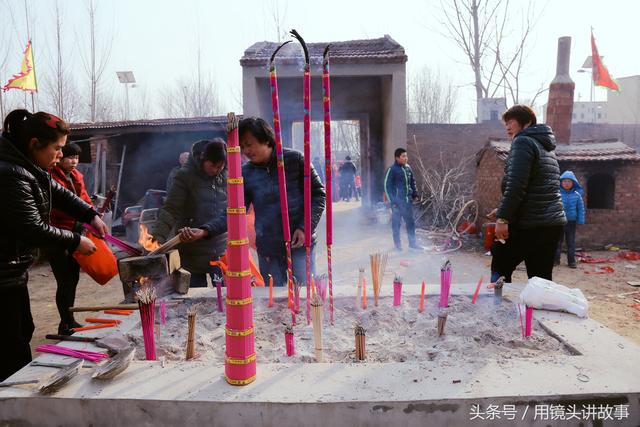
pixel 82 190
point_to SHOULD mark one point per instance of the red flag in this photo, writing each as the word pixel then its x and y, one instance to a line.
pixel 601 76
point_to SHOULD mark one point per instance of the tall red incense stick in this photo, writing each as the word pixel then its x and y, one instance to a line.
pixel 282 183
pixel 240 356
pixel 326 104
pixel 306 104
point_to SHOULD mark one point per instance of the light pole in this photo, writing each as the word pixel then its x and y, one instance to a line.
pixel 127 78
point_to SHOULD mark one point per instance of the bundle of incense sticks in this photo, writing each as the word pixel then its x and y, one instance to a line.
pixel 442 320
pixel 191 337
pixel 359 291
pixel 421 307
pixel 528 321
pixel 147 304
pixel 445 284
pixel 91 356
pixel 397 291
pixel 378 265
pixel 288 341
pixel 364 294
pixel 360 333
pixel 317 315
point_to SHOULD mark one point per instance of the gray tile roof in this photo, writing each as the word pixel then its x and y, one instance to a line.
pixel 579 151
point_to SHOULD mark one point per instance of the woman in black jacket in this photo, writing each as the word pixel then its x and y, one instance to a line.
pixel 31 144
pixel 530 218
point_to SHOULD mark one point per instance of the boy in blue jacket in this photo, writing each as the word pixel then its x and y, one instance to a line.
pixel 571 193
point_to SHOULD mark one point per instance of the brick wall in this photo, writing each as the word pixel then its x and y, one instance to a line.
pixel 620 225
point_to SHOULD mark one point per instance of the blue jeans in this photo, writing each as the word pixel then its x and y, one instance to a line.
pixel 569 235
pixel 277 266
pixel 399 212
pixel 199 280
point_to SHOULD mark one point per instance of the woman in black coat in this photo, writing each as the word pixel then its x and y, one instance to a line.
pixel 31 144
pixel 530 218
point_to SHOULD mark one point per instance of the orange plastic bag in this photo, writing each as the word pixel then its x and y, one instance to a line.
pixel 258 280
pixel 100 265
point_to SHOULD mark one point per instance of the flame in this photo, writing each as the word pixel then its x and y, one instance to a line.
pixel 146 240
pixel 143 280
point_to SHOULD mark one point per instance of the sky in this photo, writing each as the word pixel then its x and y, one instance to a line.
pixel 157 40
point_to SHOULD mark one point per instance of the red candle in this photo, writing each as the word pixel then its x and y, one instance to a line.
pixel 475 294
pixel 270 291
pixel 421 308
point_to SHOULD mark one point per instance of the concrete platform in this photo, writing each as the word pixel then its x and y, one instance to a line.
pixel 597 384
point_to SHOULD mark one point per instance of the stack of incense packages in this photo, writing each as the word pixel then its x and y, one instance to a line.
pixel 288 341
pixel 397 291
pixel 317 316
pixel 191 336
pixel 378 266
pixel 360 334
pixel 445 284
pixel 147 305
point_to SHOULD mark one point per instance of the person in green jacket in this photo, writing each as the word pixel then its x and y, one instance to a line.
pixel 196 206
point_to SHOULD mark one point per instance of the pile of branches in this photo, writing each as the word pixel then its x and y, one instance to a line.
pixel 444 191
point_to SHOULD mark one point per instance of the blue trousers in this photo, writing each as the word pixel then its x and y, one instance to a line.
pixel 569 235
pixel 398 213
pixel 277 266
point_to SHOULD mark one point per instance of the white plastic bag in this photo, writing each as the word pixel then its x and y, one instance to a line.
pixel 548 295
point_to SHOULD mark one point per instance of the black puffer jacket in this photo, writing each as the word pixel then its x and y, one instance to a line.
pixel 27 194
pixel 199 201
pixel 531 182
pixel 261 190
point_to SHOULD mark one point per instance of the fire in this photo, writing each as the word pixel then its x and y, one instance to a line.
pixel 144 281
pixel 146 240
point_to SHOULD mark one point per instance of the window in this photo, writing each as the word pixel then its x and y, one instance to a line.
pixel 601 189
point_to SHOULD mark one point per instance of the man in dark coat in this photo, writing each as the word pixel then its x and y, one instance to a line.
pixel 196 206
pixel 348 173
pixel 400 188
pixel 261 190
pixel 530 218
pixel 182 159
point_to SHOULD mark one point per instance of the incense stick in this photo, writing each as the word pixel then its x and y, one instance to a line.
pixel 421 307
pixel 316 307
pixel 360 334
pixel 191 337
pixel 378 265
pixel 91 356
pixel 528 321
pixel 364 293
pixel 445 284
pixel 147 303
pixel 270 291
pixel 309 303
pixel 359 291
pixel 475 294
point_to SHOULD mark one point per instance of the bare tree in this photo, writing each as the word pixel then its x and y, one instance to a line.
pixel 481 29
pixel 62 96
pixel 194 96
pixel 431 99
pixel 95 64
pixel 278 15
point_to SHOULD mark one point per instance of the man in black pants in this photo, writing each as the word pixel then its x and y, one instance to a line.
pixel 531 217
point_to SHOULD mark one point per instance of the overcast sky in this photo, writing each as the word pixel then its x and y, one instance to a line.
pixel 157 39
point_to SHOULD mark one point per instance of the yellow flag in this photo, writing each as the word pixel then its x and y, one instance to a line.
pixel 26 79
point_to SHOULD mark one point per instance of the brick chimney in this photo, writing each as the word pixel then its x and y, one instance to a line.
pixel 560 105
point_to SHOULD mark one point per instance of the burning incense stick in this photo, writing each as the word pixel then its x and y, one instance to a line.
pixel 364 293
pixel 475 294
pixel 359 289
pixel 282 183
pixel 442 320
pixel 306 103
pixel 270 291
pixel 528 321
pixel 191 337
pixel 326 104
pixel 397 291
pixel 445 284
pixel 289 342
pixel 378 266
pixel 317 315
pixel 147 304
pixel 421 308
pixel 360 333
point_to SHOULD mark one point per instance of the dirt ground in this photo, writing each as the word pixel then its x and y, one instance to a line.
pixel 609 294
